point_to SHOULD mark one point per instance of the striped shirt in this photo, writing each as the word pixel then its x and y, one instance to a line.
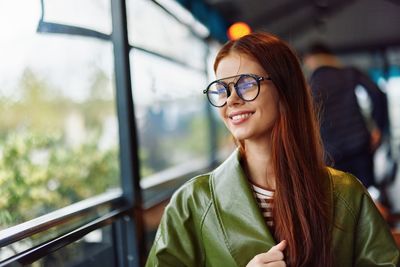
pixel 265 200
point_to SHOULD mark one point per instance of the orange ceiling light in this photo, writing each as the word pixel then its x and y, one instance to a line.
pixel 237 30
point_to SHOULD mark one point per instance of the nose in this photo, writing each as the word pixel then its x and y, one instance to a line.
pixel 233 98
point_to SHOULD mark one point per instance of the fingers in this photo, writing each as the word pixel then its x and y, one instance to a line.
pixel 276 264
pixel 274 255
pixel 276 252
pixel 281 246
pixel 268 257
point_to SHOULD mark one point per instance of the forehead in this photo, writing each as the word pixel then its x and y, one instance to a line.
pixel 235 64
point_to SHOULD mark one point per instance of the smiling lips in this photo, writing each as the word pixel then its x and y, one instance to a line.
pixel 240 117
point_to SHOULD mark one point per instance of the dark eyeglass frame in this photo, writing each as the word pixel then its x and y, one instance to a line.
pixel 257 78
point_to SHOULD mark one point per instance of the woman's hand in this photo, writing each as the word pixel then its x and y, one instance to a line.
pixel 273 258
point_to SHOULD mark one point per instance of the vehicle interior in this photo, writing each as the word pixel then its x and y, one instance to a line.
pixel 103 116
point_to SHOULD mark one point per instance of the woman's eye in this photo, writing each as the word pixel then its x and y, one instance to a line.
pixel 246 85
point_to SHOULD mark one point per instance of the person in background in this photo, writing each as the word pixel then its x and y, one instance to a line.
pixel 273 202
pixel 350 137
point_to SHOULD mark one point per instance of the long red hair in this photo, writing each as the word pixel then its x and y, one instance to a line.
pixel 302 210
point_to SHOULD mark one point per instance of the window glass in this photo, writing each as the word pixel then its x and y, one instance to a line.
pixel 93 250
pixel 170 112
pixel 58 130
pixel 225 141
pixel 80 13
pixel 157 31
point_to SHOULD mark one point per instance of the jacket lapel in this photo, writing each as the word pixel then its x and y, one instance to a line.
pixel 242 223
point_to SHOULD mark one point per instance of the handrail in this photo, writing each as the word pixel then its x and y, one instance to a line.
pixel 154 186
pixel 194 165
pixel 42 223
pixel 35 253
pixel 159 187
pixel 173 173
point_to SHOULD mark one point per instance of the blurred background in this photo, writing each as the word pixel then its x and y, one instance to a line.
pixel 102 114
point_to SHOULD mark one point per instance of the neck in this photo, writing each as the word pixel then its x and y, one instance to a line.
pixel 258 164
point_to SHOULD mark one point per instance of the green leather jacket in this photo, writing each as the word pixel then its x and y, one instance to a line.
pixel 214 220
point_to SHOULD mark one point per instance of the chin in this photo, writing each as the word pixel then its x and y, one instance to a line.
pixel 240 136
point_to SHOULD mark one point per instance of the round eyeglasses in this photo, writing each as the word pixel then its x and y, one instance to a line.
pixel 247 87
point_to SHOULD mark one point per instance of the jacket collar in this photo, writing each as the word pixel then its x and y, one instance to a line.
pixel 242 223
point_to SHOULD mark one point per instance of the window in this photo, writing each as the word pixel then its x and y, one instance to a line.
pixel 59 135
pixel 168 75
pixel 69 188
pixel 157 31
pixel 171 121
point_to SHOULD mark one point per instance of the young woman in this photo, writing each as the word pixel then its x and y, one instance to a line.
pixel 273 202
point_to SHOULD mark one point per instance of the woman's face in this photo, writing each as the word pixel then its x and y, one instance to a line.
pixel 248 120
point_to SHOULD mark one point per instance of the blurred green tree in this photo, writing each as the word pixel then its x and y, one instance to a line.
pixel 39 170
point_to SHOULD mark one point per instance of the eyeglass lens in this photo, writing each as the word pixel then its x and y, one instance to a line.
pixel 246 87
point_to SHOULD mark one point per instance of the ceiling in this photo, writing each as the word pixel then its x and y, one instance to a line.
pixel 346 25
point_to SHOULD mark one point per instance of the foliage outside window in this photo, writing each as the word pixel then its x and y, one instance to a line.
pixel 58 131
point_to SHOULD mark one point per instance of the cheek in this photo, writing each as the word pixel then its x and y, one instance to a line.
pixel 223 117
pixel 269 109
pixel 274 102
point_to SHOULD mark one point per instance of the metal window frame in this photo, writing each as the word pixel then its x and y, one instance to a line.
pixel 37 252
pixel 129 234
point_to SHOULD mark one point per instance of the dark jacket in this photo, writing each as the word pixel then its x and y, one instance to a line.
pixel 343 128
pixel 214 220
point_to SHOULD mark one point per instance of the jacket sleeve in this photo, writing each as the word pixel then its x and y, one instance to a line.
pixel 177 241
pixel 374 244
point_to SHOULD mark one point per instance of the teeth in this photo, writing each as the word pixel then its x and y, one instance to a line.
pixel 241 116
